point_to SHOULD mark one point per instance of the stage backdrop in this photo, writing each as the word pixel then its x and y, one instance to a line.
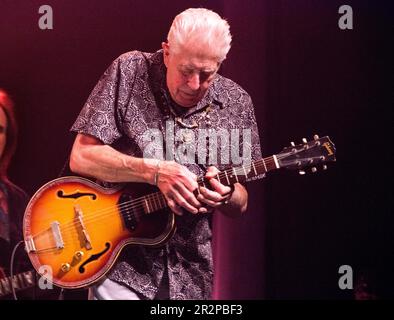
pixel 306 76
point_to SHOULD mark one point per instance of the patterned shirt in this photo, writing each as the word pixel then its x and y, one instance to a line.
pixel 130 100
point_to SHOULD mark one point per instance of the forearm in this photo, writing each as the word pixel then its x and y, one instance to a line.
pixel 105 163
pixel 237 203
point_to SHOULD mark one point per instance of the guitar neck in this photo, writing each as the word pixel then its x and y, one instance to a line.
pixel 243 173
pixel 156 201
pixel 19 281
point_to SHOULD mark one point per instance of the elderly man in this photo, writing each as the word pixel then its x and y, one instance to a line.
pixel 144 91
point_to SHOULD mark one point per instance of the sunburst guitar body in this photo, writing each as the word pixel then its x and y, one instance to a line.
pixel 74 229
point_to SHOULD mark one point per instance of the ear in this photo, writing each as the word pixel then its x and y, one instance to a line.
pixel 166 52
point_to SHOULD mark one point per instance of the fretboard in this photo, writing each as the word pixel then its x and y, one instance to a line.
pixel 156 201
pixel 19 281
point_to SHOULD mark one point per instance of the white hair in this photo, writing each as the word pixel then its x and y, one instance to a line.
pixel 201 27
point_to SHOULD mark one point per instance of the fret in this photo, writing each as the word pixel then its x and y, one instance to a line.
pixel 228 181
pixel 153 202
pixel 265 167
pixel 218 177
pixel 246 175
pixel 276 161
pixel 163 202
pixel 235 173
pixel 157 201
pixel 29 278
pixel 254 168
pixel 6 285
pixel 147 205
pixel 15 282
pixel 20 280
pixel 159 197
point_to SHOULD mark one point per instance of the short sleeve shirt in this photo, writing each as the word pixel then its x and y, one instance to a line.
pixel 130 109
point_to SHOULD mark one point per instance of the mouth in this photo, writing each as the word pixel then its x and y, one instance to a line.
pixel 190 95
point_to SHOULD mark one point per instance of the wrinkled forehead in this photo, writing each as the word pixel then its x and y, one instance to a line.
pixel 191 58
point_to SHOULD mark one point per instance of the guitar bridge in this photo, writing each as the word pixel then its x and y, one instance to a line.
pixel 30 246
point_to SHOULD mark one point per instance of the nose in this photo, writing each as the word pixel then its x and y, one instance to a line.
pixel 194 81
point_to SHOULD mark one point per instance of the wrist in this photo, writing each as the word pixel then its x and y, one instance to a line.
pixel 156 175
pixel 151 169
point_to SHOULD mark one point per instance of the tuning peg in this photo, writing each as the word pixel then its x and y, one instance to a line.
pixel 313 169
pixel 301 172
pixel 292 144
pixel 316 137
pixel 304 140
pixel 324 167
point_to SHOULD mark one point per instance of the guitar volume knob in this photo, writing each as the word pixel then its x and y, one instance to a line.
pixel 78 255
pixel 65 267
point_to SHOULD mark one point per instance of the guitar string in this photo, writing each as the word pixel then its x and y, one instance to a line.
pixel 141 211
pixel 223 175
pixel 158 196
pixel 140 203
pixel 69 229
pixel 72 234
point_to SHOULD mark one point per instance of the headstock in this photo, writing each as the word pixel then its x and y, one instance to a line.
pixel 309 154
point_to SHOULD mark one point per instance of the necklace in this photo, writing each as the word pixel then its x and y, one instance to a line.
pixel 180 120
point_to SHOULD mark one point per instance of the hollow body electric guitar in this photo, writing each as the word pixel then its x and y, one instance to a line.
pixel 74 229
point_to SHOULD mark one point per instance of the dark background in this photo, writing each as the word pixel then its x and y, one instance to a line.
pixel 305 76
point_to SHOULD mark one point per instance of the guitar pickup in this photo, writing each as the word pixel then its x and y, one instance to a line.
pixel 55 227
pixel 79 216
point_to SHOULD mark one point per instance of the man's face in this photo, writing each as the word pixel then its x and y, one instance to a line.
pixel 189 74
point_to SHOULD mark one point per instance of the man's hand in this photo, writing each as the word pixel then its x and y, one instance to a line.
pixel 216 197
pixel 177 183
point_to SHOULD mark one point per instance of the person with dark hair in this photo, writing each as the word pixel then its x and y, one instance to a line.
pixel 13 199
